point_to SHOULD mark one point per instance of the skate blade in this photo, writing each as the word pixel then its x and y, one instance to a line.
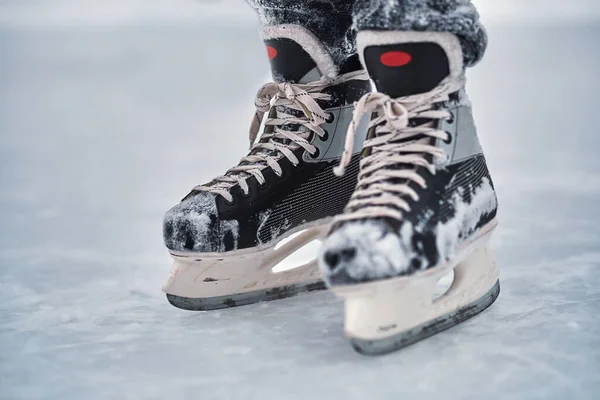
pixel 202 282
pixel 242 299
pixel 385 316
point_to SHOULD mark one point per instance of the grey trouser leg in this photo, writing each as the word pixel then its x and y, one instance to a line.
pixel 335 22
pixel 329 20
pixel 455 16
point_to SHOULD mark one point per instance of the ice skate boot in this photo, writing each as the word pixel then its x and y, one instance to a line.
pixel 424 206
pixel 230 238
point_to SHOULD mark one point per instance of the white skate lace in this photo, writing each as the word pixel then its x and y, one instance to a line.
pixel 390 158
pixel 276 143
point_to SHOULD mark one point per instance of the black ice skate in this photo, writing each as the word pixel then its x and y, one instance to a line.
pixel 424 205
pixel 227 236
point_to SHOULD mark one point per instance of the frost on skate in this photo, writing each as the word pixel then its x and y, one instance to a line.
pixel 192 225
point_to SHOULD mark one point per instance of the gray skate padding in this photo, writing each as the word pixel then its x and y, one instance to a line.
pixel 332 148
pixel 464 145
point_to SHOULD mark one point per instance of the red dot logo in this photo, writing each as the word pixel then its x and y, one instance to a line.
pixel 271 52
pixel 395 58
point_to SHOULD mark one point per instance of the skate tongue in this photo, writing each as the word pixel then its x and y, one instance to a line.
pixel 409 63
pixel 296 55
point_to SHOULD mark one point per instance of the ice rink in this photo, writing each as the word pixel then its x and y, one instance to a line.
pixel 102 129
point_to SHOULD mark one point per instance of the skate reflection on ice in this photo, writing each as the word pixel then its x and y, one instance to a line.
pixel 443 285
pixel 298 258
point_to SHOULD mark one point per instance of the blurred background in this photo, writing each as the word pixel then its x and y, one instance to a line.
pixel 111 110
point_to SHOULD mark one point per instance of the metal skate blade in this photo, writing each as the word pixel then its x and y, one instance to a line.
pixel 446 321
pixel 283 270
pixel 242 299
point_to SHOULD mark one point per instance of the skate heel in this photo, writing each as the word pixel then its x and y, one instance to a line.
pixel 387 315
pixel 202 282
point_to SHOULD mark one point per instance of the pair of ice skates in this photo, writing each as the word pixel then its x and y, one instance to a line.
pixel 412 202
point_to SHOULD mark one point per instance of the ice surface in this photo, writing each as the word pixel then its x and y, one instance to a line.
pixel 101 131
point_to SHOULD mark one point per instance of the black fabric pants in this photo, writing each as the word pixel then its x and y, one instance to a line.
pixel 336 22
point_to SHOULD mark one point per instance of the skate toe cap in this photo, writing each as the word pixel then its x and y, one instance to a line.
pixel 194 226
pixel 362 251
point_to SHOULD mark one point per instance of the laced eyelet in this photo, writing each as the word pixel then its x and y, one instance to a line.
pixel 262 185
pixel 230 203
pixel 330 118
pixel 246 195
pixel 281 176
pixel 325 136
pixel 449 140
pixel 451 119
pixel 316 154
